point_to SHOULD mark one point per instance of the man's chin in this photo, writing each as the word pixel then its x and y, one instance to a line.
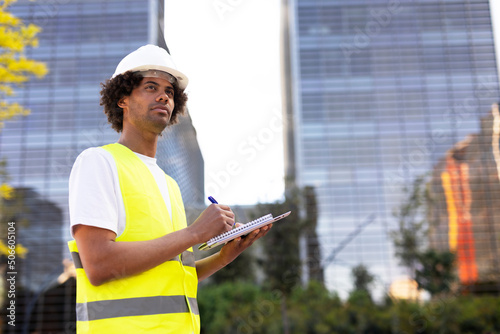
pixel 164 130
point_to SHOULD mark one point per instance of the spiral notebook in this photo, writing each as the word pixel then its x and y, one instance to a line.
pixel 241 230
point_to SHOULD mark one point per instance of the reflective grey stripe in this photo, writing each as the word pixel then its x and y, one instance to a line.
pixel 76 260
pixel 194 305
pixel 187 259
pixel 128 307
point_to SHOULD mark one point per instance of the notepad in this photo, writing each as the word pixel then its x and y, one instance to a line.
pixel 241 230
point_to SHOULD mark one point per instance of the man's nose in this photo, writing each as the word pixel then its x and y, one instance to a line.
pixel 162 97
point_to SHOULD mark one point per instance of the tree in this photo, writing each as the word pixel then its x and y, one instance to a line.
pixel 314 266
pixel 436 272
pixel 237 307
pixel 411 226
pixel 362 278
pixel 281 259
pixel 360 298
pixel 15 70
pixel 433 270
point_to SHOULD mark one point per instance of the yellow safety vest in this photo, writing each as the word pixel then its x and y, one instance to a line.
pixel 160 300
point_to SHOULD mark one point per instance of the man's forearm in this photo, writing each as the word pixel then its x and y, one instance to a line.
pixel 104 259
pixel 209 266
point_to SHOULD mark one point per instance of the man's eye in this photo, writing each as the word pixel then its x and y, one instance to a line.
pixel 151 87
pixel 170 92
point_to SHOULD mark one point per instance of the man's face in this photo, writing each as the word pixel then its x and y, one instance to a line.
pixel 149 106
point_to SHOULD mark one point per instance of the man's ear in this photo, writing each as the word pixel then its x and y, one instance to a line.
pixel 123 102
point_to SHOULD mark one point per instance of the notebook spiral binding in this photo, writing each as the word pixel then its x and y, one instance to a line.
pixel 242 227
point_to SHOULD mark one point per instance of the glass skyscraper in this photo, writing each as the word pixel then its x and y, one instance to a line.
pixel 81 43
pixel 376 92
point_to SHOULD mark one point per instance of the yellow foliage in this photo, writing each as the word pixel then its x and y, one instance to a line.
pixel 19 250
pixel 15 68
pixel 6 191
pixel 4 250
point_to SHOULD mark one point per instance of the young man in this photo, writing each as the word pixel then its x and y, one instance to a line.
pixel 133 249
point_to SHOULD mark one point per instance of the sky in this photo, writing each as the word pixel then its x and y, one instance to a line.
pixel 230 51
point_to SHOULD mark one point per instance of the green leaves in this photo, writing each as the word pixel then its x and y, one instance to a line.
pixel 436 272
pixel 433 270
pixel 237 307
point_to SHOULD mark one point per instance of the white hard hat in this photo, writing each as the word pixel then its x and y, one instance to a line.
pixel 151 57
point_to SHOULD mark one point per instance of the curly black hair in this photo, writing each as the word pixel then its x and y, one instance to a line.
pixel 113 90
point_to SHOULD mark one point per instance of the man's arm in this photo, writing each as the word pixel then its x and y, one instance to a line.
pixel 104 259
pixel 228 253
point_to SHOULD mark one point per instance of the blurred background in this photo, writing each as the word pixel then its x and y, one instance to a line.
pixel 375 122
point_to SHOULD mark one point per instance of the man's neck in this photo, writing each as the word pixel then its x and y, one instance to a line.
pixel 139 142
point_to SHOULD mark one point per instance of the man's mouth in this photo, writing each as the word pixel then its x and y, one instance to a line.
pixel 162 109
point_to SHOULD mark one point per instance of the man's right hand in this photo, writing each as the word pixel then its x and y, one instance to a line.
pixel 214 220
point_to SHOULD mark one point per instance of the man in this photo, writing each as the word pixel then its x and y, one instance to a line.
pixel 133 249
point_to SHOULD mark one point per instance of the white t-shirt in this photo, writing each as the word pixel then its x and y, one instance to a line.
pixel 95 197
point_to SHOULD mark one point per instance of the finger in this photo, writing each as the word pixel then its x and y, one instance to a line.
pixel 225 208
pixel 228 217
pixel 222 208
pixel 266 230
pixel 234 243
pixel 260 233
pixel 245 243
pixel 249 239
pixel 224 212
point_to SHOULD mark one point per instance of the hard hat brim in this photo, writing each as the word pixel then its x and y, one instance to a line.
pixel 182 80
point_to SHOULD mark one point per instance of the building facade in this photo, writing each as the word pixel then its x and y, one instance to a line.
pixel 465 206
pixel 377 92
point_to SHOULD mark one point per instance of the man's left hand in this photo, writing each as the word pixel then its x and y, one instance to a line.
pixel 234 248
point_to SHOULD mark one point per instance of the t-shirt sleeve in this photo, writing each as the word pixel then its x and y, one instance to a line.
pixel 92 191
